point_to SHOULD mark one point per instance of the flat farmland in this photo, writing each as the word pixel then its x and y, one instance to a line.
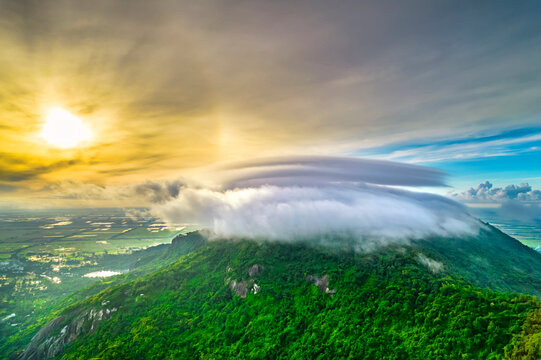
pixel 47 254
pixel 70 232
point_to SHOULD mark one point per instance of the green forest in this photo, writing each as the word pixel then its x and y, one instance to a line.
pixel 243 299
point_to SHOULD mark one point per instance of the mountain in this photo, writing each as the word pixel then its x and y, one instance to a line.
pixel 432 299
pixel 492 259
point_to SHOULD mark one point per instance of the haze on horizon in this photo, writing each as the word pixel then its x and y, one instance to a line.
pixel 162 89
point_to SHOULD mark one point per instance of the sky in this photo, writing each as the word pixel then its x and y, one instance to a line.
pixel 165 89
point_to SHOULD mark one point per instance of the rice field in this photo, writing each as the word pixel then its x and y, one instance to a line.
pixel 72 232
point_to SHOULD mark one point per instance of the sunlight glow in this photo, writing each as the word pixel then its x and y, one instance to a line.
pixel 64 130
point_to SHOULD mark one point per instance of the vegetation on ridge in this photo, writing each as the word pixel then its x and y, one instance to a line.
pixel 387 305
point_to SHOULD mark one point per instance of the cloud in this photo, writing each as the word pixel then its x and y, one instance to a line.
pixel 486 192
pixel 158 192
pixel 16 168
pixel 296 213
pixel 318 170
pixel 514 202
pixel 504 143
pixel 148 192
pixel 432 265
pixel 260 78
pixel 329 200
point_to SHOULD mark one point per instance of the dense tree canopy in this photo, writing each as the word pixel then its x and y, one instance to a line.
pixel 383 305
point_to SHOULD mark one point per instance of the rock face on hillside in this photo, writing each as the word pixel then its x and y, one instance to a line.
pixel 239 288
pixel 322 282
pixel 255 270
pixel 63 330
pixel 242 287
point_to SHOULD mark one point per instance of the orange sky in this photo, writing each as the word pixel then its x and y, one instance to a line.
pixel 167 87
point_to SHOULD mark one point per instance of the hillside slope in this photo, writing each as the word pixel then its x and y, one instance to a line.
pixel 491 259
pixel 140 263
pixel 270 300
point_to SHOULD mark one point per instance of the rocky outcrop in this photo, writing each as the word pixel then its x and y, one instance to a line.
pixel 242 287
pixel 255 270
pixel 255 289
pixel 239 288
pixel 63 330
pixel 321 282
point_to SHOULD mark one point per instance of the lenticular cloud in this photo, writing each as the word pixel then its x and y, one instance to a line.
pixel 316 198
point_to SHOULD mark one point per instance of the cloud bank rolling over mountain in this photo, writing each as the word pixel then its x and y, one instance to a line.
pixel 312 197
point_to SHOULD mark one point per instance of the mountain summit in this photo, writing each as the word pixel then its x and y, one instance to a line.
pixel 437 298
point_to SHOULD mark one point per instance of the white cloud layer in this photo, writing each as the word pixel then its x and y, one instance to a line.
pixel 486 192
pixel 514 202
pixel 311 205
pixel 321 170
pixel 291 213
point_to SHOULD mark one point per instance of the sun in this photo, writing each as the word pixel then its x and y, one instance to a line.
pixel 64 130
